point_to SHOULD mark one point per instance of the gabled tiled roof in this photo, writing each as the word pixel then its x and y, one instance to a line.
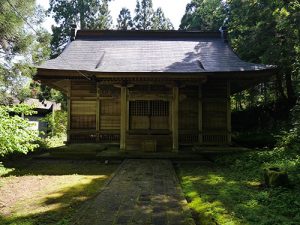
pixel 37 104
pixel 140 51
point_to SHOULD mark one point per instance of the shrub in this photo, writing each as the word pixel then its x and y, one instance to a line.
pixel 57 123
pixel 255 139
pixel 15 132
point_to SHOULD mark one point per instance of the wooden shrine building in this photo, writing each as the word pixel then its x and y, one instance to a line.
pixel 150 90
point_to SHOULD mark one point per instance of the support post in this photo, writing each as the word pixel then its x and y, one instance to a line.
pixel 98 113
pixel 175 105
pixel 69 112
pixel 200 117
pixel 123 118
pixel 228 114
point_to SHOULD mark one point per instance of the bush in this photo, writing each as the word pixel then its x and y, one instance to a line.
pixel 57 124
pixel 15 132
pixel 255 139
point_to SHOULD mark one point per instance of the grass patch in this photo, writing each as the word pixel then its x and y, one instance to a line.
pixel 48 192
pixel 232 193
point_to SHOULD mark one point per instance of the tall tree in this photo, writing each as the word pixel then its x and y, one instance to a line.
pixel 160 22
pixel 104 20
pixel 272 29
pixel 144 12
pixel 124 21
pixel 260 31
pixel 146 19
pixel 22 43
pixel 203 15
pixel 88 14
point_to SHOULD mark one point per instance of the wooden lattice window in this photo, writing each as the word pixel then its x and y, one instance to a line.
pixel 159 108
pixel 139 108
pixel 149 108
pixel 149 115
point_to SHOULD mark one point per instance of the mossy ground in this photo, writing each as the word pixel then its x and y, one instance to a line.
pixel 48 192
pixel 231 191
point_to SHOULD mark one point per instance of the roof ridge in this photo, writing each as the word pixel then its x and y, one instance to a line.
pixel 147 34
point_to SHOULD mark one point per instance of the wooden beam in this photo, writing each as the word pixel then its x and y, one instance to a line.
pixel 175 104
pixel 84 98
pixel 123 118
pixel 69 111
pixel 98 112
pixel 200 117
pixel 228 114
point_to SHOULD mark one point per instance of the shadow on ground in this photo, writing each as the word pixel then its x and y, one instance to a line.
pixel 58 203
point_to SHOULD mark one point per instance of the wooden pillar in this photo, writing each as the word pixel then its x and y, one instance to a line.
pixel 175 105
pixel 98 112
pixel 123 118
pixel 228 114
pixel 69 111
pixel 200 117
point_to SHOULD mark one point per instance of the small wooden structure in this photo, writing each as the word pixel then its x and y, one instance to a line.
pixel 150 90
pixel 42 110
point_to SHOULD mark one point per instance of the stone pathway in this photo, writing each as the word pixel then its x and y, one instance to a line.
pixel 142 192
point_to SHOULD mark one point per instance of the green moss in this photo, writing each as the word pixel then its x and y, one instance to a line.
pixel 232 191
pixel 70 183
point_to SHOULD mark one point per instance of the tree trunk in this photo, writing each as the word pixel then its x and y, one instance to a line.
pixel 289 89
pixel 81 14
pixel 279 88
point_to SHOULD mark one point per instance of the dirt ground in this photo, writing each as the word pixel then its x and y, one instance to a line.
pixel 16 189
pixel 48 191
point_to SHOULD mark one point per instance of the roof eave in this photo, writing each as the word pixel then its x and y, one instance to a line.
pixel 70 74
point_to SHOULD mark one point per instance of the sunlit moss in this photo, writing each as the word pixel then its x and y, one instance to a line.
pixel 67 185
pixel 234 195
pixel 213 179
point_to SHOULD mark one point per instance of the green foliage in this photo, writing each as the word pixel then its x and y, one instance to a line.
pixel 20 47
pixel 203 15
pixel 160 22
pixel 260 31
pixel 57 123
pixel 143 15
pixel 124 20
pixel 13 38
pixel 255 139
pixel 89 14
pixel 147 19
pixel 232 191
pixel 42 92
pixel 52 142
pixel 288 141
pixel 15 132
pixel 271 28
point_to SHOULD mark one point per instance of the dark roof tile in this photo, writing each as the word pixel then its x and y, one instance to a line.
pixel 149 53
